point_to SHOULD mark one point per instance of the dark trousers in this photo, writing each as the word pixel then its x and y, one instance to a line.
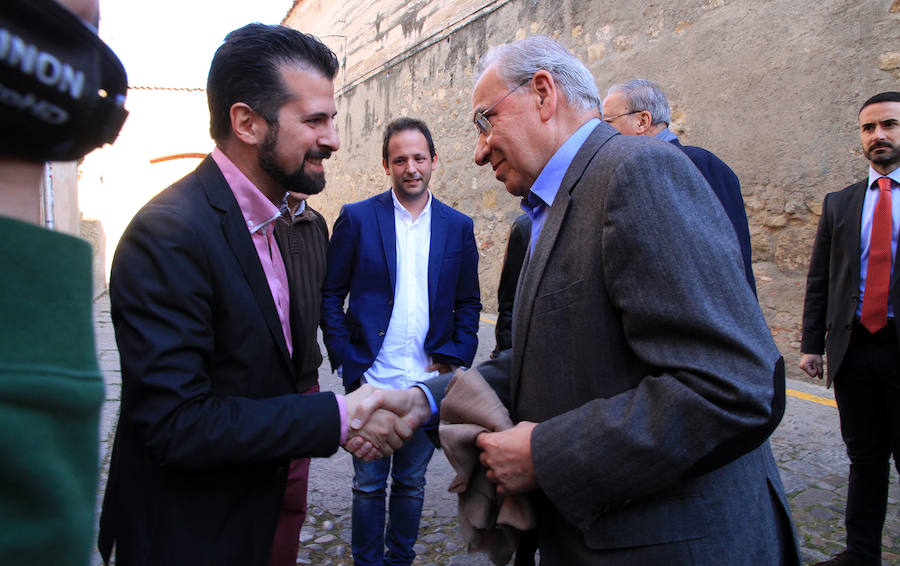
pixel 867 391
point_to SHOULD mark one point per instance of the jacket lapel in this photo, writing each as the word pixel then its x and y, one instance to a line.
pixel 536 263
pixel 384 214
pixel 854 240
pixel 437 246
pixel 238 237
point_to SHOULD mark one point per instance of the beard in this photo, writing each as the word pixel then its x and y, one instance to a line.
pixel 297 181
pixel 884 159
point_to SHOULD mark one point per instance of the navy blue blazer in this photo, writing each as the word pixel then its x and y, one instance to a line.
pixel 728 190
pixel 362 262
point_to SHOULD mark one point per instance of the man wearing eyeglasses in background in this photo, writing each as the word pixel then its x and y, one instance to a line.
pixel 642 376
pixel 639 108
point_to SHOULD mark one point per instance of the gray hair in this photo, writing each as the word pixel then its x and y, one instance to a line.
pixel 641 94
pixel 520 60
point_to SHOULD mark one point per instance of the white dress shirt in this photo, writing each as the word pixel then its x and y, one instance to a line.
pixel 402 359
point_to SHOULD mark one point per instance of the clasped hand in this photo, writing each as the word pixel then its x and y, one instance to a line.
pixel 381 420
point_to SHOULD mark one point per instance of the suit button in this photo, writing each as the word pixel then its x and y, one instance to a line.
pixel 854 299
pixel 381 333
pixel 391 302
pixel 848 328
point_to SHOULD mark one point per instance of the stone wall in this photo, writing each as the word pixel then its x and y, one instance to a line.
pixel 771 87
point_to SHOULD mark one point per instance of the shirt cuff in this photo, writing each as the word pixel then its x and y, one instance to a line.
pixel 342 410
pixel 433 421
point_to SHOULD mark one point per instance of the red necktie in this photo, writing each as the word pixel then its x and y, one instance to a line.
pixel 878 276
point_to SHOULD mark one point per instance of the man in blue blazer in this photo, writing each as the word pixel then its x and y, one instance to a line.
pixel 410 266
pixel 639 107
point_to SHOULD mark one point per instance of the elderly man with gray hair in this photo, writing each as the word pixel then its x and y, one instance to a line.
pixel 643 380
pixel 640 108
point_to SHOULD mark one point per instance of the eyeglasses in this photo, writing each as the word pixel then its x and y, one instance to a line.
pixel 482 124
pixel 611 118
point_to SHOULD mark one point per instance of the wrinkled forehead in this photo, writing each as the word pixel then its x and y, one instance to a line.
pixel 615 103
pixel 487 91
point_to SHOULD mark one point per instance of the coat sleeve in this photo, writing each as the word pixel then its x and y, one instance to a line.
pixel 338 278
pixel 194 403
pixel 516 248
pixel 815 303
pixel 467 305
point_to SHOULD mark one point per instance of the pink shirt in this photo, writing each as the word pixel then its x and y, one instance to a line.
pixel 260 215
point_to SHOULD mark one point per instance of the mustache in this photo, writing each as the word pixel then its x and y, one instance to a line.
pixel 318 154
pixel 882 143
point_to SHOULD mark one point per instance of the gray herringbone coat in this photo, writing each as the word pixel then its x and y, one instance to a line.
pixel 641 350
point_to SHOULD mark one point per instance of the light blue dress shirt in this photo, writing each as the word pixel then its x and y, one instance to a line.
pixel 665 135
pixel 542 193
pixel 537 203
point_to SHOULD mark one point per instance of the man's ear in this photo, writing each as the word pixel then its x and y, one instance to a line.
pixel 645 120
pixel 434 162
pixel 387 169
pixel 246 125
pixel 547 92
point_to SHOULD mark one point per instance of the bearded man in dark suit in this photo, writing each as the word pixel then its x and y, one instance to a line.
pixel 849 314
pixel 213 349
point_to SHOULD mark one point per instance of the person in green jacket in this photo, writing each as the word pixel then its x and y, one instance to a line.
pixel 51 389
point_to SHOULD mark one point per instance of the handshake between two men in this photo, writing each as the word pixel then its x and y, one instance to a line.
pixel 381 420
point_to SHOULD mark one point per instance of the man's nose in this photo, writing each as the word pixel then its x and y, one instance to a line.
pixel 331 140
pixel 482 150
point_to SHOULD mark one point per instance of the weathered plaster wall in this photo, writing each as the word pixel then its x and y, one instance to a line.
pixel 116 180
pixel 772 87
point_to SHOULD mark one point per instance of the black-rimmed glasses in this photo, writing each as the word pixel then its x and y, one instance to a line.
pixel 482 124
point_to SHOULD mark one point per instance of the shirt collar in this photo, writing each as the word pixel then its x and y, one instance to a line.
pixel 257 210
pixel 300 208
pixel 665 135
pixel 875 175
pixel 547 184
pixel 399 207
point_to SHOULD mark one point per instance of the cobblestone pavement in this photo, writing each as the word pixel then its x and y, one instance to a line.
pixel 807 446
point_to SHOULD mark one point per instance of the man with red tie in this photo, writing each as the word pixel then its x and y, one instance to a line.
pixel 849 314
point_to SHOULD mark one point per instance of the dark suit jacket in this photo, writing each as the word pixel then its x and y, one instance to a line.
pixel 210 416
pixel 728 190
pixel 362 261
pixel 832 285
pixel 644 356
pixel 516 249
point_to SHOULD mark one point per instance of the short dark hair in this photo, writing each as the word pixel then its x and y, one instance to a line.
pixel 889 96
pixel 247 68
pixel 401 124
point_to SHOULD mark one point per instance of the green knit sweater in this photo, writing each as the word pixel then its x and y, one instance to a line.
pixel 51 392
